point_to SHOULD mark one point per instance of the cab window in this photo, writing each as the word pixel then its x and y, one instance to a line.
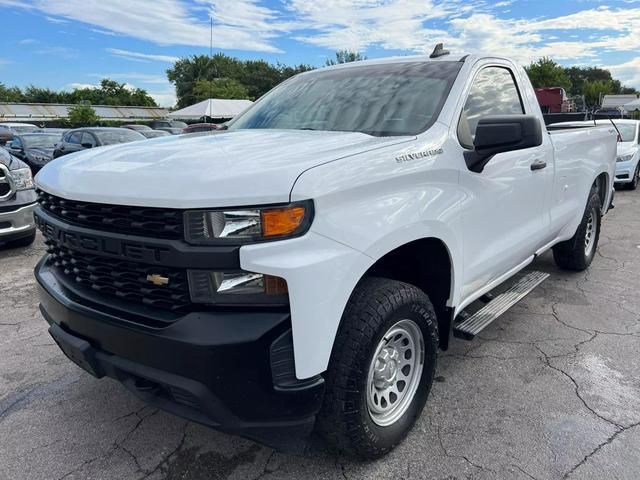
pixel 88 139
pixel 493 92
pixel 74 138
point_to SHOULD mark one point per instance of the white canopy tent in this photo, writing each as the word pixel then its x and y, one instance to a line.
pixel 213 108
pixel 632 106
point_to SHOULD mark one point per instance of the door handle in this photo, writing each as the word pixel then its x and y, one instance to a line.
pixel 538 165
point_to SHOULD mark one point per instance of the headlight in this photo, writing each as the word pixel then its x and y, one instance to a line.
pixel 236 288
pixel 248 225
pixel 21 179
pixel 624 158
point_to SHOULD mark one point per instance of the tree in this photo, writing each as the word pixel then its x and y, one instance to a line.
pixel 10 94
pixel 82 115
pixel 345 56
pixel 547 73
pixel 593 91
pixel 256 76
pixel 220 88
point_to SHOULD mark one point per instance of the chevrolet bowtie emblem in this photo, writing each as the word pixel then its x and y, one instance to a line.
pixel 157 279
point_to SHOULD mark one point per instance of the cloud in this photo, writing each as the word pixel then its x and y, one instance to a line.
pixel 27 41
pixel 172 22
pixel 145 78
pixel 628 72
pixel 56 51
pixel 80 86
pixel 128 54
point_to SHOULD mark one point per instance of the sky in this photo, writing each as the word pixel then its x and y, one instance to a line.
pixel 62 44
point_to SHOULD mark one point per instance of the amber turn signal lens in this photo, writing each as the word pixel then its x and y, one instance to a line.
pixel 281 221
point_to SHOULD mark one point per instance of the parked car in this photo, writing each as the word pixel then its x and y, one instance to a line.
pixel 90 137
pixel 35 149
pixel 201 127
pixel 17 202
pixel 174 127
pixel 304 268
pixel 155 133
pixel 628 152
pixel 9 129
pixel 137 127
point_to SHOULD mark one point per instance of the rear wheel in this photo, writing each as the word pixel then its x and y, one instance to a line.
pixel 381 369
pixel 577 253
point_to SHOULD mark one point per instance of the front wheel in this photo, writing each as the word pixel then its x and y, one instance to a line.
pixel 577 253
pixel 381 368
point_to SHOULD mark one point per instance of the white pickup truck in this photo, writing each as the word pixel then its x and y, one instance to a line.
pixel 302 268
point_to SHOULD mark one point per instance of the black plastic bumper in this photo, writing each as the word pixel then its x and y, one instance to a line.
pixel 214 368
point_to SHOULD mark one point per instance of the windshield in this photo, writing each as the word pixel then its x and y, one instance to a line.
pixel 24 128
pixel 112 137
pixel 40 141
pixel 401 98
pixel 627 131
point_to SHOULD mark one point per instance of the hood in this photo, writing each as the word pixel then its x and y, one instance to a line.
pixel 232 168
pixel 47 152
pixel 11 162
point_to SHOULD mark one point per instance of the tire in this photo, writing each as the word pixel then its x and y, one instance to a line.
pixel 578 252
pixel 22 242
pixel 377 314
pixel 634 183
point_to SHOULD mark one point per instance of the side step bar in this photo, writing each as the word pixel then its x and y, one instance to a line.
pixel 471 325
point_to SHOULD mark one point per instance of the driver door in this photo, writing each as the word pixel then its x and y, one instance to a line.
pixel 506 218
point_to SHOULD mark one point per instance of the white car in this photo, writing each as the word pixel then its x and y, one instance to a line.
pixel 303 268
pixel 8 129
pixel 628 150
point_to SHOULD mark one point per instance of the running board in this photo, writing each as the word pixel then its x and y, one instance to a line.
pixel 472 325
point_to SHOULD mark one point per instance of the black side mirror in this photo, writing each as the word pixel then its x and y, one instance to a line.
pixel 505 133
pixel 87 145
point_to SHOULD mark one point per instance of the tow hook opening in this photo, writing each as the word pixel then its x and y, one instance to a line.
pixel 144 385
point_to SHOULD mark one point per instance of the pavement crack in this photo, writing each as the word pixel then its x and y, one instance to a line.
pixel 608 441
pixel 576 388
pixel 451 455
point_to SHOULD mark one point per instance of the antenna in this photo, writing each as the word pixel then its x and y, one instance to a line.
pixel 439 51
pixel 212 69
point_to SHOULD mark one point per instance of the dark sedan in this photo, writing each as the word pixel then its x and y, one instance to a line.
pixel 84 138
pixel 35 149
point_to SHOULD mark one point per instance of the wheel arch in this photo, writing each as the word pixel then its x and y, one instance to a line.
pixel 426 263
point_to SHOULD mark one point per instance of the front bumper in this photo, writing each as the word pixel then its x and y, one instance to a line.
pixel 625 171
pixel 221 369
pixel 17 223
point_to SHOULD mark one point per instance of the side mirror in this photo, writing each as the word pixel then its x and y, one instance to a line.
pixel 504 133
pixel 87 145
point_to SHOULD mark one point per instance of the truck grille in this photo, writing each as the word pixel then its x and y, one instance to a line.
pixel 122 279
pixel 147 222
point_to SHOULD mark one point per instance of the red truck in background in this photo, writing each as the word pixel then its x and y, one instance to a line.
pixel 553 100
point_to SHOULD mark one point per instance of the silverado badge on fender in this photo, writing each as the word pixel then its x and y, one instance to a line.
pixel 157 279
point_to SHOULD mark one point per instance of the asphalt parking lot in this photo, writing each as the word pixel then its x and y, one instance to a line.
pixel 551 390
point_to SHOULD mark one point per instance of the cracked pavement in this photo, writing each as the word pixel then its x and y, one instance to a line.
pixel 549 391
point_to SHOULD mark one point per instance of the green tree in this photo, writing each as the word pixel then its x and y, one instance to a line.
pixel 345 56
pixel 257 76
pixel 593 91
pixel 10 94
pixel 547 73
pixel 220 88
pixel 82 115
